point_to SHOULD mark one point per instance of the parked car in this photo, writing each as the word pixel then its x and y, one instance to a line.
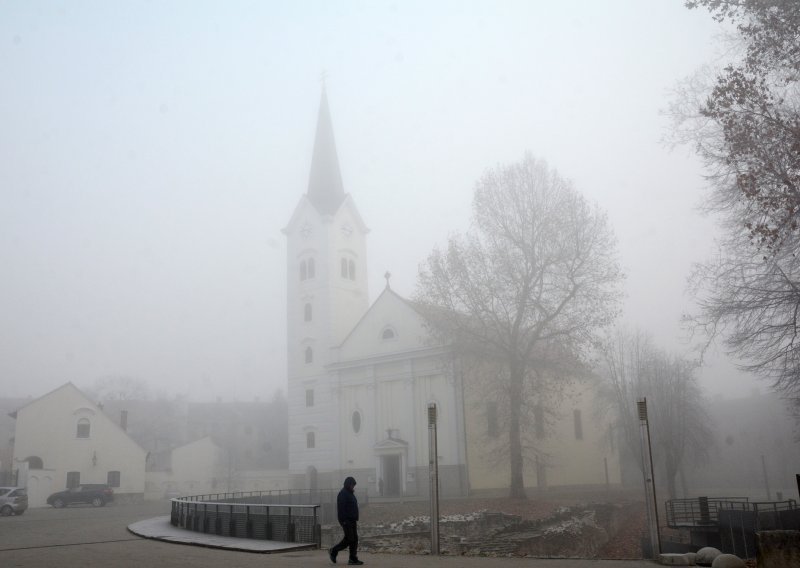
pixel 13 500
pixel 95 494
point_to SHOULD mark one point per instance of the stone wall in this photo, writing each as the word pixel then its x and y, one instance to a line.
pixel 778 549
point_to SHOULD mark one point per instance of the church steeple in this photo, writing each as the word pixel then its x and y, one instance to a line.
pixel 325 189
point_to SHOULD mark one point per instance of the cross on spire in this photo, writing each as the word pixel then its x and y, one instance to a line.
pixel 388 275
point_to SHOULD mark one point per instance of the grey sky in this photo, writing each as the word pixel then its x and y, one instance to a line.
pixel 151 152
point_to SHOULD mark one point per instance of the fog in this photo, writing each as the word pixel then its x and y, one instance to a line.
pixel 150 155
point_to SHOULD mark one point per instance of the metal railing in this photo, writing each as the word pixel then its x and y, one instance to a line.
pixel 325 498
pixel 281 522
pixel 733 521
pixel 737 528
pixel 701 511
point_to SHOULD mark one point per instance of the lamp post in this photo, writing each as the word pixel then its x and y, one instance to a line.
pixel 649 480
pixel 433 470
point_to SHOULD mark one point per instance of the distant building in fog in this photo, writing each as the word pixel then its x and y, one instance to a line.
pixel 755 452
pixel 361 377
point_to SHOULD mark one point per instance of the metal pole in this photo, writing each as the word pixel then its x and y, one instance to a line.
pixel 433 469
pixel 649 479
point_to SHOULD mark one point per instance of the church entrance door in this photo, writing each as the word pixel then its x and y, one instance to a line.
pixel 392 486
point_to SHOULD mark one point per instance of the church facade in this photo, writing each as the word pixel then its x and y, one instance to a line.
pixel 361 376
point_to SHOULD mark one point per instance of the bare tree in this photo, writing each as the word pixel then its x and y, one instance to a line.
pixel 634 368
pixel 753 302
pixel 537 269
pixel 119 388
pixel 744 121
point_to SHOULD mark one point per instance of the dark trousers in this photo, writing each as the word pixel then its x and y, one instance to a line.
pixel 350 539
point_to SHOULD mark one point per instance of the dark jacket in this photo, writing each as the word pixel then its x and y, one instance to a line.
pixel 347 504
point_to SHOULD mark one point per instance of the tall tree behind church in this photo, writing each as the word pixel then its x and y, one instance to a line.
pixel 537 269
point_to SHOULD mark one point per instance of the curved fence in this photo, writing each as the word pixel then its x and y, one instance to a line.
pixel 248 516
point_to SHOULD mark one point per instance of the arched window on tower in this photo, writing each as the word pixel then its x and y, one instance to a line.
pixel 303 270
pixel 307 313
pixel 311 268
pixel 344 268
pixel 309 355
pixel 351 268
pixel 310 440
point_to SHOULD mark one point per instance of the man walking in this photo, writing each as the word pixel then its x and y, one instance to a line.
pixel 347 511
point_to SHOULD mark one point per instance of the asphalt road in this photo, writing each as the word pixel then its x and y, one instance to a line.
pixel 87 537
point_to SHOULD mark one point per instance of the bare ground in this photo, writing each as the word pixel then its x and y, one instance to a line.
pixel 624 544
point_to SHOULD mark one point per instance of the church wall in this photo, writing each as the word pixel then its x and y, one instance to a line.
pixel 367 339
pixel 435 388
pixel 357 446
pixel 565 461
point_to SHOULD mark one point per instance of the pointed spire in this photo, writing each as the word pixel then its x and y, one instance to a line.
pixel 325 189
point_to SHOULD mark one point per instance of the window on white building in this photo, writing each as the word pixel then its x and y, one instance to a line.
pixel 576 415
pixel 310 440
pixel 356 419
pixel 309 397
pixel 73 479
pixel 306 269
pixel 307 313
pixel 84 428
pixel 351 269
pixel 309 355
pixel 113 478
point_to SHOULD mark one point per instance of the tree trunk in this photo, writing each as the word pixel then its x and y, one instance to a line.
pixel 684 484
pixel 517 485
pixel 672 472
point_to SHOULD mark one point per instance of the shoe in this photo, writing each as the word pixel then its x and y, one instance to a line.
pixel 332 555
pixel 355 562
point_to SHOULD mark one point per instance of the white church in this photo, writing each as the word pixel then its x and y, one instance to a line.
pixel 361 376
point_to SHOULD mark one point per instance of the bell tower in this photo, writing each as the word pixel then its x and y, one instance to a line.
pixel 326 296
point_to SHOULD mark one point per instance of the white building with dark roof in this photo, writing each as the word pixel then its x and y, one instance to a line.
pixel 63 439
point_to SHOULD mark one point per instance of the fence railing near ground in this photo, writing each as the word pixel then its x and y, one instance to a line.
pixel 700 511
pixel 732 521
pixel 325 498
pixel 280 522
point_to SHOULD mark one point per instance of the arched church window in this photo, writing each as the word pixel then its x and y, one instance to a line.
pixel 310 440
pixel 388 333
pixel 311 268
pixel 307 312
pixel 309 355
pixel 84 428
pixel 344 268
pixel 351 269
pixel 303 270
pixel 356 419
